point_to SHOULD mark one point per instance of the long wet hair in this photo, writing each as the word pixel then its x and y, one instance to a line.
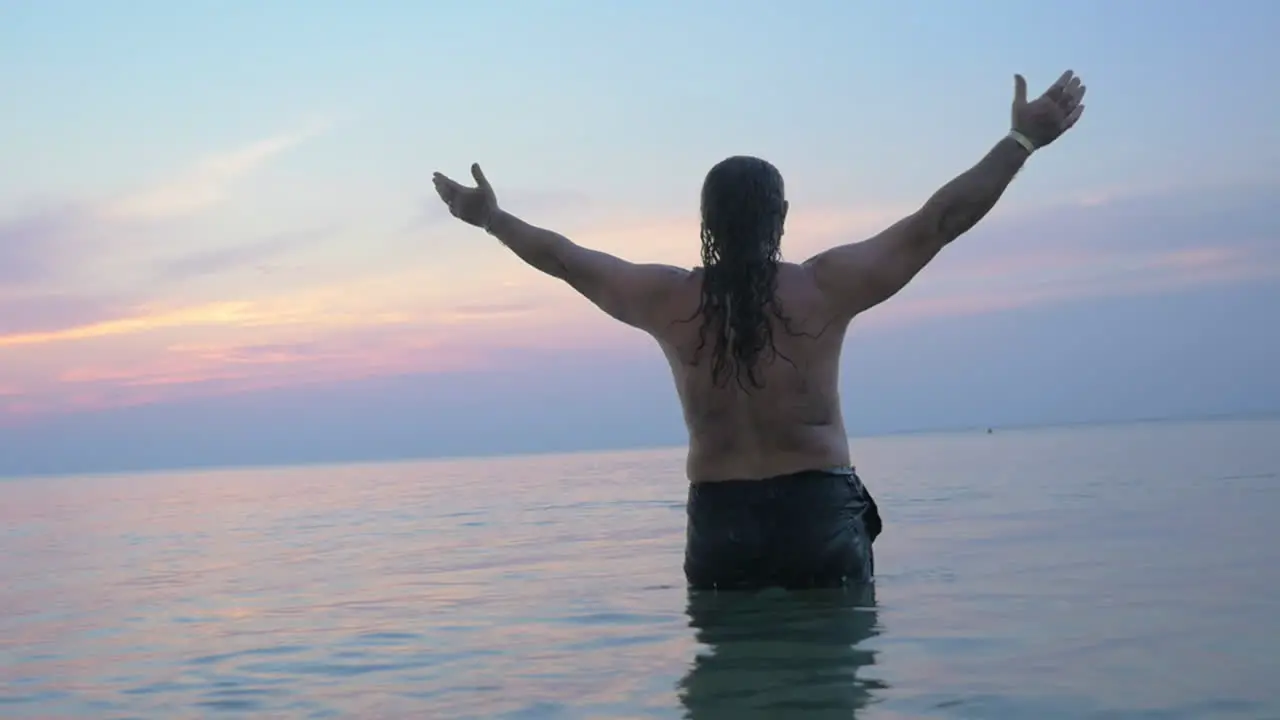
pixel 743 209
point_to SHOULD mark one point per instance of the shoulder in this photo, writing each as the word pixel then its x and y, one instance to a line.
pixel 796 281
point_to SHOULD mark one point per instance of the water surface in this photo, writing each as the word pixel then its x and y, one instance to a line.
pixel 1098 572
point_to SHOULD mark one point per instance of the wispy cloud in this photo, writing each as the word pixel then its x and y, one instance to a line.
pixel 39 245
pixel 49 311
pixel 33 244
pixel 1139 243
pixel 289 311
pixel 1153 274
pixel 257 254
pixel 403 320
pixel 204 185
pixel 229 313
pixel 486 311
pixel 201 369
pixel 66 269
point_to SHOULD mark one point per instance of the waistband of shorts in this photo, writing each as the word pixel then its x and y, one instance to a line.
pixel 831 471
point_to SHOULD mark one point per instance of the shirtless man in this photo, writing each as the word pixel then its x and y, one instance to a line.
pixel 754 346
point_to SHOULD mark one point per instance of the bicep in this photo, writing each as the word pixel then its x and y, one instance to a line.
pixel 632 293
pixel 861 275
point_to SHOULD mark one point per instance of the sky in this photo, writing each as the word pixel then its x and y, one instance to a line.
pixel 219 243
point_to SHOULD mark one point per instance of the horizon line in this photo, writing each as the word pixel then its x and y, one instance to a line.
pixel 1190 419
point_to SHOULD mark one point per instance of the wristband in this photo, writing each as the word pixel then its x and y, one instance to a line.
pixel 1023 140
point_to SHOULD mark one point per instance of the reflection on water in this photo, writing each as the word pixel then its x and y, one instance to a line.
pixel 785 654
pixel 1083 573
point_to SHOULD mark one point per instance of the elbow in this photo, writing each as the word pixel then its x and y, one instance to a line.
pixel 555 267
pixel 558 259
pixel 940 221
pixel 551 260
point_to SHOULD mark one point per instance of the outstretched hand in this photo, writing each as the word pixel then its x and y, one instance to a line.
pixel 473 205
pixel 1047 117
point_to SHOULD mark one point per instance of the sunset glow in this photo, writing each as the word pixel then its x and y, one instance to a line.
pixel 240 202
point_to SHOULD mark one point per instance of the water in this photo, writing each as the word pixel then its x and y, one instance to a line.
pixel 1107 572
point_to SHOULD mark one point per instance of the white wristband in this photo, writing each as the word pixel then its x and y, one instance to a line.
pixel 1023 140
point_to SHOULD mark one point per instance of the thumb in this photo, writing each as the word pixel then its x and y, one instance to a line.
pixel 1019 90
pixel 481 182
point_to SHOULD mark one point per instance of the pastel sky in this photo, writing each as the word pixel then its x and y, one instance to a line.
pixel 218 243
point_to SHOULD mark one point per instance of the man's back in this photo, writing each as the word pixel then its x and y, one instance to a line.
pixel 791 421
pixel 754 347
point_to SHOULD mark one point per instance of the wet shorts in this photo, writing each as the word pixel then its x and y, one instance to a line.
pixel 804 530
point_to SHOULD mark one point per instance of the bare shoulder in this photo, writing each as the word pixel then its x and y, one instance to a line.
pixel 797 283
pixel 794 272
pixel 634 293
pixel 672 281
pixel 651 295
pixel 682 291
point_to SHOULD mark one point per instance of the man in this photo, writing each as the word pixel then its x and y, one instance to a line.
pixel 754 347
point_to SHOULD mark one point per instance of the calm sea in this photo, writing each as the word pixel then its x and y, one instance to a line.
pixel 1099 572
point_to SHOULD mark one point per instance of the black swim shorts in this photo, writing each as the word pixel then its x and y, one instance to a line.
pixel 804 530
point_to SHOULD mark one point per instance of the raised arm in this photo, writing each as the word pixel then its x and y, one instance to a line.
pixel 861 275
pixel 635 294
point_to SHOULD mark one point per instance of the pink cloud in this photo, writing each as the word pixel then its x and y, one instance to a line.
pixel 488 311
pixel 1195 258
pixel 496 311
pixel 185 370
pixel 1156 273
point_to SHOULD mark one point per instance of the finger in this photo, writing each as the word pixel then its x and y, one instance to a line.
pixel 447 187
pixel 1072 118
pixel 481 182
pixel 1073 87
pixel 1056 90
pixel 1019 90
pixel 1072 96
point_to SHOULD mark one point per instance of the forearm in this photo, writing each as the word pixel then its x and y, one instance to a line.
pixel 542 249
pixel 961 203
